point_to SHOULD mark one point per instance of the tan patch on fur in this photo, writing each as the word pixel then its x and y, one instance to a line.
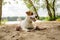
pixel 29 13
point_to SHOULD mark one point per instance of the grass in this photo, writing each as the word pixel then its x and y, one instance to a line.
pixel 3 21
pixel 47 18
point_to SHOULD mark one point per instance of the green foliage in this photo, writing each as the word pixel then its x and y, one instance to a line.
pixel 47 19
pixel 4 21
pixel 30 5
pixel 44 18
pixel 9 2
pixel 36 4
pixel 58 19
pixel 43 6
pixel 36 1
pixel 33 5
pixel 4 3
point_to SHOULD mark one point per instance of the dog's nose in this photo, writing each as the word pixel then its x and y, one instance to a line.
pixel 36 16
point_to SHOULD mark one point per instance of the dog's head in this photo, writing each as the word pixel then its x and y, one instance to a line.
pixel 32 15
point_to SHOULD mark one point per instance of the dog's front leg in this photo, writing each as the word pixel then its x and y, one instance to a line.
pixel 24 29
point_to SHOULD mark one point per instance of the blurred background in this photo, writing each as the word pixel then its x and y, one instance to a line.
pixel 46 10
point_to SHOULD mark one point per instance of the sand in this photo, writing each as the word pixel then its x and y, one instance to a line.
pixel 8 32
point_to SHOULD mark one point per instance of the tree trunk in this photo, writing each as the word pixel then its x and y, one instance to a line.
pixel 49 11
pixel 54 10
pixel 0 10
pixel 34 9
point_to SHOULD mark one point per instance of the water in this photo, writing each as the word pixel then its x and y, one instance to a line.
pixel 17 22
pixel 12 22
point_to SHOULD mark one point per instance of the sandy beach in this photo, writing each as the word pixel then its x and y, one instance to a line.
pixel 52 32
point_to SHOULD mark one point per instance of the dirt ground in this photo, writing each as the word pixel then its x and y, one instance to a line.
pixel 8 32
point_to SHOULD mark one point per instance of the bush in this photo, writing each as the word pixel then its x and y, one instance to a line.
pixel 46 18
pixel 58 19
pixel 4 21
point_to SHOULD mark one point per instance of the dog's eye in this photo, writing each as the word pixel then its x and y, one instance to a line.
pixel 31 13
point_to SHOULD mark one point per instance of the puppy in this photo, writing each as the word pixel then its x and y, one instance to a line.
pixel 26 24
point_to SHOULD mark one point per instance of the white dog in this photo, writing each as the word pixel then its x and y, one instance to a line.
pixel 26 24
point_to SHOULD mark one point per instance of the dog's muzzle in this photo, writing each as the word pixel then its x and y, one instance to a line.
pixel 33 19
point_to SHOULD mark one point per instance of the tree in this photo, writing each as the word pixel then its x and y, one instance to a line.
pixel 0 10
pixel 31 6
pixel 53 8
pixel 50 5
pixel 48 8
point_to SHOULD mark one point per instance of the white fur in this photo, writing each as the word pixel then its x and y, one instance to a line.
pixel 27 23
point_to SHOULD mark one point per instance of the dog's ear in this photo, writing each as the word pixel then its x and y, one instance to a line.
pixel 29 13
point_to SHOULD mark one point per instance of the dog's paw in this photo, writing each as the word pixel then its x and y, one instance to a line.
pixel 18 28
